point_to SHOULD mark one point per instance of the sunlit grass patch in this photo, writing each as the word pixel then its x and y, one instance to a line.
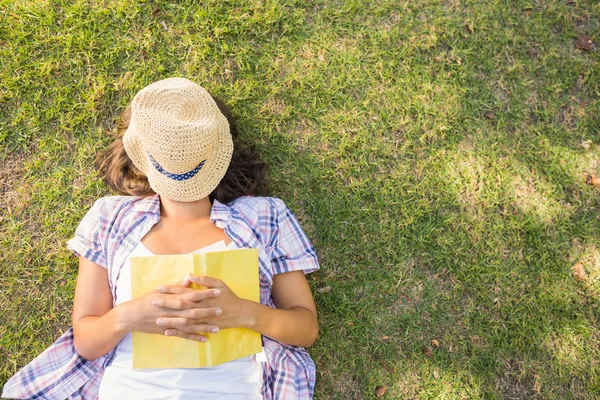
pixel 434 151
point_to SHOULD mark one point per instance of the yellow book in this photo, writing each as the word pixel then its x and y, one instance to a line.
pixel 237 268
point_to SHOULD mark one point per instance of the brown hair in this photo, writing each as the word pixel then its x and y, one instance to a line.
pixel 245 176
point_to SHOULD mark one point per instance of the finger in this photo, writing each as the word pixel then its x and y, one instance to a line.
pixel 199 295
pixel 186 299
pixel 207 281
pixel 176 287
pixel 174 304
pixel 173 289
pixel 197 328
pixel 182 323
pixel 196 314
pixel 186 335
pixel 185 282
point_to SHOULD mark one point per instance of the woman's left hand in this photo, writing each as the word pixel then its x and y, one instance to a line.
pixel 234 310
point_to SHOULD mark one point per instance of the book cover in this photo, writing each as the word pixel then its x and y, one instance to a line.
pixel 237 268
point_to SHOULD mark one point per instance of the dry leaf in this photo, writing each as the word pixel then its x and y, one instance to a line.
pixel 537 386
pixel 325 289
pixel 586 144
pixel 490 114
pixel 436 374
pixel 534 52
pixel 578 272
pixel 584 43
pixel 380 391
pixel 591 179
pixel 435 343
pixel 427 352
pixel 385 337
pixel 469 27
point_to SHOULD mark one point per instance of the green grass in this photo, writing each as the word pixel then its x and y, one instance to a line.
pixel 432 221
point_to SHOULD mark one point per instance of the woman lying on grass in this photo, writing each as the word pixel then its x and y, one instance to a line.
pixel 185 188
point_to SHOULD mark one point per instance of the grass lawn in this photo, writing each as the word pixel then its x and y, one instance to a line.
pixel 434 151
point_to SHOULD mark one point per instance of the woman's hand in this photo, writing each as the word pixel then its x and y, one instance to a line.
pixel 228 310
pixel 146 313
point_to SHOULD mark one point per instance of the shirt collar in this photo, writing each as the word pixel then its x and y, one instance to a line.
pixel 151 204
pixel 219 212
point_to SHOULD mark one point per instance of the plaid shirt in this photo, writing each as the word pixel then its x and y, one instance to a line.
pixel 107 235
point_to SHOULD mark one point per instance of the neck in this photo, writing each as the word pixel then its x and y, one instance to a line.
pixel 198 209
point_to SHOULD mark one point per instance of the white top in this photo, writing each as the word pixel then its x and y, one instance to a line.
pixel 238 379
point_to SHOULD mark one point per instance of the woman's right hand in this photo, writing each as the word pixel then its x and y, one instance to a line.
pixel 141 314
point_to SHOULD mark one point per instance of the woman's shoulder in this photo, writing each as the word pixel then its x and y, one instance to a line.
pixel 114 205
pixel 257 216
pixel 259 205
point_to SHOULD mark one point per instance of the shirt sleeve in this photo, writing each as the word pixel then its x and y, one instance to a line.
pixel 292 250
pixel 90 235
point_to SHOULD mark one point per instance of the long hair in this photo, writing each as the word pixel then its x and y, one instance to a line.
pixel 245 176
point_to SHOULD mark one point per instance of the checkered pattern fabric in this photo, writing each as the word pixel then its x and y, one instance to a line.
pixel 106 236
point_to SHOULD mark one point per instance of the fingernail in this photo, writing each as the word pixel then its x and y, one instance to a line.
pixel 168 333
pixel 203 339
pixel 219 312
pixel 160 322
pixel 217 292
pixel 156 302
pixel 160 289
pixel 215 330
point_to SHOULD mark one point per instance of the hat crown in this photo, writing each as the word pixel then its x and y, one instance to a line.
pixel 176 120
pixel 179 139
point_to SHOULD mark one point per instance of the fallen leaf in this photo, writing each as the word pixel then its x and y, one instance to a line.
pixel 436 374
pixel 325 289
pixel 578 272
pixel 385 337
pixel 581 109
pixel 584 43
pixel 474 339
pixel 469 27
pixel 380 391
pixel 427 352
pixel 537 386
pixel 490 114
pixel 591 179
pixel 586 144
pixel 435 343
pixel 534 52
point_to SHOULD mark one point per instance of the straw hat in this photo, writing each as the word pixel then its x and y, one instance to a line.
pixel 179 139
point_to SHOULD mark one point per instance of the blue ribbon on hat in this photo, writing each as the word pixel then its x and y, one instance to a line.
pixel 176 177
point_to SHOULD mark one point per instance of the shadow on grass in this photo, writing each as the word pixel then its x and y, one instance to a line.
pixel 473 248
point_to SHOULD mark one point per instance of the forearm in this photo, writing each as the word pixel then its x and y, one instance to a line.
pixel 295 326
pixel 96 336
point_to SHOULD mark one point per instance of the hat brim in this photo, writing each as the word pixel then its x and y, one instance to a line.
pixel 192 189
